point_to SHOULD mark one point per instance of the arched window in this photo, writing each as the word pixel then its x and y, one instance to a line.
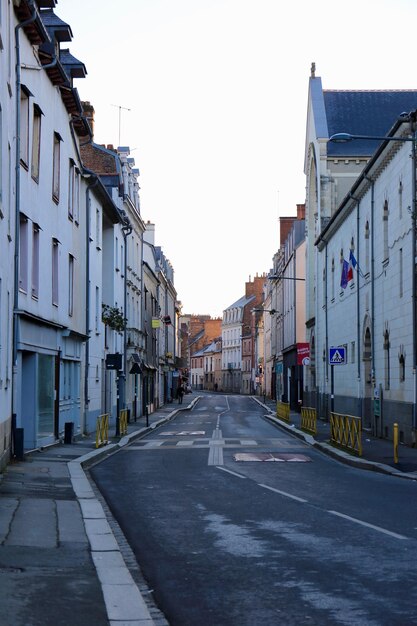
pixel 401 359
pixel 367 247
pixel 387 359
pixel 400 199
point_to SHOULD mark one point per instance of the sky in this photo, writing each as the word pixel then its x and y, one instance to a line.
pixel 211 96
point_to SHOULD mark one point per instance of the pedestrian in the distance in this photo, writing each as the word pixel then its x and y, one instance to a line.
pixel 180 394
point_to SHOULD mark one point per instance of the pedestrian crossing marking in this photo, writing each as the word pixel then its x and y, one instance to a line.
pixel 183 433
pixel 164 444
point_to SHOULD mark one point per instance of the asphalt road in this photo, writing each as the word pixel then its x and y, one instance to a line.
pixel 235 522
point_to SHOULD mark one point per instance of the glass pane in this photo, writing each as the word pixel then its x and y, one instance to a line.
pixel 46 384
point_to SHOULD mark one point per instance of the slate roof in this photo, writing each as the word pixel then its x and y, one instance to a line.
pixel 363 113
pixel 241 302
pixel 73 67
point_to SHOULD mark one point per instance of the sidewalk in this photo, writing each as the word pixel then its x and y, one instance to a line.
pixel 64 562
pixel 61 563
pixel 377 454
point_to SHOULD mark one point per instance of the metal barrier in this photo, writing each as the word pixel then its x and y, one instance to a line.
pixel 346 432
pixel 283 411
pixel 309 419
pixel 102 430
pixel 123 421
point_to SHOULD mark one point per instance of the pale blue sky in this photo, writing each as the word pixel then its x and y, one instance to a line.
pixel 218 97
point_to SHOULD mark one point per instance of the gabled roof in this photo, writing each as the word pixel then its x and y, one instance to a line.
pixel 73 67
pixel 363 113
pixel 58 29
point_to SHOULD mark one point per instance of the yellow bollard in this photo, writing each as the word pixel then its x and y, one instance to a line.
pixel 395 438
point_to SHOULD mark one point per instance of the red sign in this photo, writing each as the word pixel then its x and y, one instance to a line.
pixel 303 354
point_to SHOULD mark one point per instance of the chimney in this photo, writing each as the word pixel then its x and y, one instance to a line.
pixel 88 111
pixel 301 211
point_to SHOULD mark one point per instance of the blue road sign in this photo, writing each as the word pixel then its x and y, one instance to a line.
pixel 337 356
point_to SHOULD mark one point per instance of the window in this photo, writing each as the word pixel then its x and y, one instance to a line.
pixel 70 285
pixel 367 247
pixel 385 225
pixel 23 253
pixel 73 192
pixel 24 127
pixel 36 142
pixel 35 261
pixel 401 274
pixel 400 199
pixel 387 359
pixel 98 230
pixel 56 167
pixel 55 255
pixel 97 311
pixel 71 184
pixel 401 359
pixel 1 164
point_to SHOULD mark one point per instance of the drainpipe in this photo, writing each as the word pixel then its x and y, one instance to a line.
pixel 413 256
pixel 90 186
pixel 94 182
pixel 372 282
pixel 126 231
pixel 15 325
pixel 326 325
pixel 358 325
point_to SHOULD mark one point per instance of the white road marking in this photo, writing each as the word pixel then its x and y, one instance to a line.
pixel 283 493
pixel 248 442
pixel 183 444
pixel 378 528
pixel 230 472
pixel 216 444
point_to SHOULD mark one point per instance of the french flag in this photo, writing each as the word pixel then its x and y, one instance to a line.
pixel 352 266
pixel 347 270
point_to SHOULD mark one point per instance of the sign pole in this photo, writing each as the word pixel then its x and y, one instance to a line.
pixel 332 388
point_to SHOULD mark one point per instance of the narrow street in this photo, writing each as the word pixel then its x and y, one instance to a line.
pixel 233 521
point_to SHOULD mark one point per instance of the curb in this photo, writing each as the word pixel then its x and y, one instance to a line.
pixel 339 455
pixel 123 600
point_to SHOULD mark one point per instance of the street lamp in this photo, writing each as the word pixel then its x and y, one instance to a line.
pixel 347 137
pixel 274 277
pixel 271 311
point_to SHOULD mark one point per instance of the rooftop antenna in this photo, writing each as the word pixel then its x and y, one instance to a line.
pixel 120 117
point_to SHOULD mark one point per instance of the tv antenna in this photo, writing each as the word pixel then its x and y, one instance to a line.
pixel 118 106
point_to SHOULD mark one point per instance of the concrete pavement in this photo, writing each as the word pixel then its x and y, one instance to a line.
pixel 63 558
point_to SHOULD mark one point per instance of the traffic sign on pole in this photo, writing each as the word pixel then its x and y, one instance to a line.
pixel 337 356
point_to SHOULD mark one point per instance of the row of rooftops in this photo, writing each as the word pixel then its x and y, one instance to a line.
pixel 46 30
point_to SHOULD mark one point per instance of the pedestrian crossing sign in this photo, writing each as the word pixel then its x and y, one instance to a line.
pixel 337 356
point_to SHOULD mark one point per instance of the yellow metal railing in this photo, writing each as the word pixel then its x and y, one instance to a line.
pixel 123 422
pixel 102 430
pixel 283 411
pixel 346 432
pixel 309 419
